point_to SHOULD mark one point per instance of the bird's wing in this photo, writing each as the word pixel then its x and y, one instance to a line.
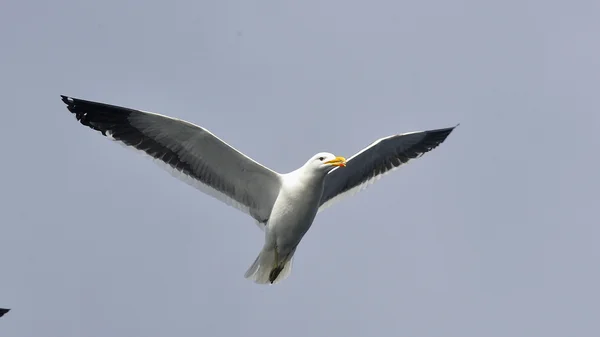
pixel 379 158
pixel 3 311
pixel 189 152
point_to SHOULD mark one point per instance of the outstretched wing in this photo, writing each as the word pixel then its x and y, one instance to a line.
pixel 189 152
pixel 381 157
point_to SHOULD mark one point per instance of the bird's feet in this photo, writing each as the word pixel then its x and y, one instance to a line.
pixel 274 273
pixel 276 268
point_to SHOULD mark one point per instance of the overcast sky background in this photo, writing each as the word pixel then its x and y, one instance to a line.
pixel 494 233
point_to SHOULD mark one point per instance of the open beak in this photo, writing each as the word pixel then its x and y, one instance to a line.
pixel 338 161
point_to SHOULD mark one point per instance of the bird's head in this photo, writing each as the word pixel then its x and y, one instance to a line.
pixel 325 162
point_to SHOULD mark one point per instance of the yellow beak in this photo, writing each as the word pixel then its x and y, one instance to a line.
pixel 338 161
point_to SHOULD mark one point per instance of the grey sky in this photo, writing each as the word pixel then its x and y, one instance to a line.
pixel 494 233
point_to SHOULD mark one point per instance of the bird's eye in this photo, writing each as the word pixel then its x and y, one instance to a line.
pixel 321 158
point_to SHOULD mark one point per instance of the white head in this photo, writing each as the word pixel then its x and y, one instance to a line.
pixel 325 162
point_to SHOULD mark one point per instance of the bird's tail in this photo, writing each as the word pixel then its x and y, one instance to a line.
pixel 267 269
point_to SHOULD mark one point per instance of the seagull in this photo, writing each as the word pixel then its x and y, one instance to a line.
pixel 283 205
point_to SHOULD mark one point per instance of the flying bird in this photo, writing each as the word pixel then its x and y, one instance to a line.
pixel 283 205
pixel 3 311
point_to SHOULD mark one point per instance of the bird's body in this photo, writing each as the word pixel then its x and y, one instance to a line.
pixel 284 205
pixel 295 207
pixel 292 215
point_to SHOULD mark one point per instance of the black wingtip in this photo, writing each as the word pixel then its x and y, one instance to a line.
pixel 450 129
pixel 67 100
pixel 436 137
pixel 443 131
pixel 3 311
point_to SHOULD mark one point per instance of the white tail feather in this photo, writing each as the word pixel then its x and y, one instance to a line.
pixel 260 270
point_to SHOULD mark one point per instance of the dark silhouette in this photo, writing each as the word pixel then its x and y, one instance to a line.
pixel 3 311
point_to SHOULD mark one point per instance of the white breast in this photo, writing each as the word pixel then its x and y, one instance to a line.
pixel 294 210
